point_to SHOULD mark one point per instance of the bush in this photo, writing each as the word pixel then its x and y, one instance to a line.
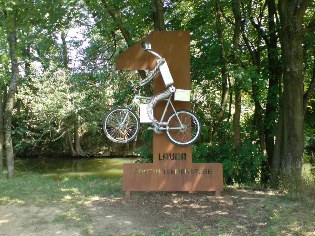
pixel 145 143
pixel 240 165
pixel 301 188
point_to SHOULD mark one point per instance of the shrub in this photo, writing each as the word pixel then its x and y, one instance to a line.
pixel 240 165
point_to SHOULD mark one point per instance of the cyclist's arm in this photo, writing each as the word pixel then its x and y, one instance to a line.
pixel 152 73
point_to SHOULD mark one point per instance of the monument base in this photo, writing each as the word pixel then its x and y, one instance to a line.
pixel 173 177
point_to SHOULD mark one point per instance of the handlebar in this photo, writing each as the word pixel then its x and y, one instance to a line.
pixel 146 45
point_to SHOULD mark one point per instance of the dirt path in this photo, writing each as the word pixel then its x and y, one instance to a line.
pixel 33 221
pixel 236 213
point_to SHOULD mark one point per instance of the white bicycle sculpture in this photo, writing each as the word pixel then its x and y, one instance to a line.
pixel 182 127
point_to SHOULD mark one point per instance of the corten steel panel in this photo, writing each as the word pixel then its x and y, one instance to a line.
pixel 174 46
pixel 167 175
pixel 173 177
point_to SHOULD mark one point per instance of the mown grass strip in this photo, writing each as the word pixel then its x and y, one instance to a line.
pixel 38 190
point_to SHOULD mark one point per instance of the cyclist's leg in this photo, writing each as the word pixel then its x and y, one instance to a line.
pixel 164 95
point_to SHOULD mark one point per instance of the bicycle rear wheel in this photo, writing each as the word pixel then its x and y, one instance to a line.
pixel 121 125
pixel 186 134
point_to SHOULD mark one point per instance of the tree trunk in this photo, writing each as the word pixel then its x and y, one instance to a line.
pixel 237 118
pixel 158 15
pixel 77 145
pixel 276 160
pixel 65 58
pixel 224 73
pixel 272 103
pixel 290 139
pixel 10 102
pixel 74 146
pixel 236 7
pixel 1 130
pixel 70 144
pixel 256 94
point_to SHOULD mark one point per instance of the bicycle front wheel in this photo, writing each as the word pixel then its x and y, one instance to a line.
pixel 121 125
pixel 183 128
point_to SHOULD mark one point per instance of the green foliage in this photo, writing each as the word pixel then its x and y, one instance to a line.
pixel 302 188
pixel 52 96
pixel 240 166
pixel 146 149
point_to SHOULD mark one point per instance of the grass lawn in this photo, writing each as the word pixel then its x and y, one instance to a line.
pixel 35 205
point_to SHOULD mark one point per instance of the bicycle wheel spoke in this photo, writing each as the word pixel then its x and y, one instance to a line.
pixel 121 125
pixel 184 128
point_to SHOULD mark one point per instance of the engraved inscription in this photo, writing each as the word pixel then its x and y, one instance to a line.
pixel 172 156
pixel 183 171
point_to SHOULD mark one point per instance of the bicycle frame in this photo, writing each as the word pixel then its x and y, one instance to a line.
pixel 136 101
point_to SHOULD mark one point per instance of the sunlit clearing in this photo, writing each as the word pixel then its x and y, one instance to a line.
pixel 7 200
pixel 127 222
pixel 67 197
pixel 73 190
pixel 3 222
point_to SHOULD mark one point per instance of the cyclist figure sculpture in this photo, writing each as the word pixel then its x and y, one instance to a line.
pixel 121 125
pixel 162 67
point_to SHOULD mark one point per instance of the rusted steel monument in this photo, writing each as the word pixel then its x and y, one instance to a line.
pixel 172 168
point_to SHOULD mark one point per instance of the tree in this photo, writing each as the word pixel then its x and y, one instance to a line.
pixel 76 147
pixel 1 130
pixel 289 147
pixel 273 71
pixel 3 77
pixel 236 8
pixel 274 84
pixel 224 67
pixel 12 42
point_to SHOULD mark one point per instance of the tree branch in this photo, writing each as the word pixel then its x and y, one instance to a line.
pixel 260 31
pixel 119 23
pixel 302 8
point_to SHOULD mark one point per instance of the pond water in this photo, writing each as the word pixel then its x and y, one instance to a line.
pixel 83 167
